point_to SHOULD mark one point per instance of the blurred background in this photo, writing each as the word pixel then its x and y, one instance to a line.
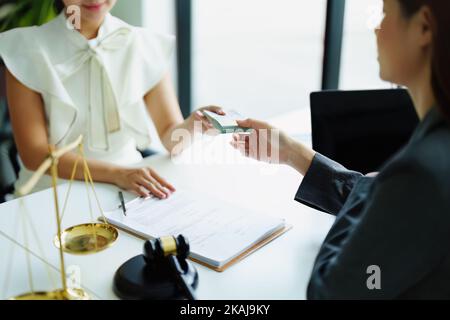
pixel 264 57
pixel 260 57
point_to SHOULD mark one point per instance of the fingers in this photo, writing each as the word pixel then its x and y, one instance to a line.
pixel 207 126
pixel 161 191
pixel 241 140
pixel 255 145
pixel 215 109
pixel 154 183
pixel 139 190
pixel 162 181
pixel 199 116
pixel 245 123
pixel 253 124
pixel 153 187
pixel 246 144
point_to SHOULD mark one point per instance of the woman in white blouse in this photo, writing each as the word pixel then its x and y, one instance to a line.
pixel 100 80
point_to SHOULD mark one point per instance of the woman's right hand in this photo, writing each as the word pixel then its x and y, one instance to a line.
pixel 265 143
pixel 268 144
pixel 143 182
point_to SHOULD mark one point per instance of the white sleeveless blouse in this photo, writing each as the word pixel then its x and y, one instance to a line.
pixel 90 87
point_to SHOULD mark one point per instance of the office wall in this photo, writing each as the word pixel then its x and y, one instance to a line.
pixel 360 68
pixel 157 15
pixel 130 11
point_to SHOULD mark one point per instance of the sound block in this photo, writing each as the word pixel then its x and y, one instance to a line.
pixel 136 280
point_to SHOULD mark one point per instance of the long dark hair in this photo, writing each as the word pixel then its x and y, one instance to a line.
pixel 59 5
pixel 440 10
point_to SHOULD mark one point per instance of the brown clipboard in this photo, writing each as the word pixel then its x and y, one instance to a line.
pixel 232 262
pixel 248 252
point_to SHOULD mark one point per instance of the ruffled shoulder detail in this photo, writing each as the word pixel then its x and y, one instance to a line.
pixel 25 52
pixel 148 58
pixel 147 61
pixel 22 52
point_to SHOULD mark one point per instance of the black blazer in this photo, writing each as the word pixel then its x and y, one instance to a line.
pixel 398 221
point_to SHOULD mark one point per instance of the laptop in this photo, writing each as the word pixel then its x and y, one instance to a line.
pixel 361 129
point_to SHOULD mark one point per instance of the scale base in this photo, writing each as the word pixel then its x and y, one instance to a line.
pixel 76 294
pixel 69 294
pixel 135 280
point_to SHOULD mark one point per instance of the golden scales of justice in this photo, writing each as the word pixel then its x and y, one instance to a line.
pixel 79 240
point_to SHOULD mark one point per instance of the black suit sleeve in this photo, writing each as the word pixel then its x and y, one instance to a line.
pixel 326 185
pixel 401 227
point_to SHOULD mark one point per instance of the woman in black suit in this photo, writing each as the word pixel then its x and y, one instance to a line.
pixel 391 237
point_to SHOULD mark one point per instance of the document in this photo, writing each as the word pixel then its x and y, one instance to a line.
pixel 217 231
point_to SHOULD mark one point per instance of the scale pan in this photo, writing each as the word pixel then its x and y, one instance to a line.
pixel 87 238
pixel 69 294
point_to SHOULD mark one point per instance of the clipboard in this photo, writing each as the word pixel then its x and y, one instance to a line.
pixel 245 254
pixel 232 262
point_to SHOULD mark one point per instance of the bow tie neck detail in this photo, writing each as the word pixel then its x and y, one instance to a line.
pixel 104 115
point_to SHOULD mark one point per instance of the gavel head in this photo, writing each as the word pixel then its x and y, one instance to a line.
pixel 158 249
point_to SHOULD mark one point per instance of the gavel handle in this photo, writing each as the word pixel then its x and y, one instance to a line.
pixel 180 279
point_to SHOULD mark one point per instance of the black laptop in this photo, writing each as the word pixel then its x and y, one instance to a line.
pixel 361 129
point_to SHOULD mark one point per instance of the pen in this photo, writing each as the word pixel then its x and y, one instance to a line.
pixel 122 203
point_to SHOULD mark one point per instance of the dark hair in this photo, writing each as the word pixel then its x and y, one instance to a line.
pixel 440 60
pixel 59 5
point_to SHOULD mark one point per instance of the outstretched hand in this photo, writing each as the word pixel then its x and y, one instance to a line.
pixel 264 143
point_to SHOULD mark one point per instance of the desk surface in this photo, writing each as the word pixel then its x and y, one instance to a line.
pixel 278 271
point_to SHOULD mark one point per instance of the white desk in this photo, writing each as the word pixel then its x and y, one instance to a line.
pixel 278 271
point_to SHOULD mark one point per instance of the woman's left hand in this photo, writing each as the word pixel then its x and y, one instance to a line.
pixel 198 116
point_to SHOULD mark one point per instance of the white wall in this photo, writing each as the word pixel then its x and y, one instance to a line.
pixel 159 15
pixel 130 11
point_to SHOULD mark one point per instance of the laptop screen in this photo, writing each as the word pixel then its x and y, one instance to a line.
pixel 361 129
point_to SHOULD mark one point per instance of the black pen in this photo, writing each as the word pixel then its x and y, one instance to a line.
pixel 122 203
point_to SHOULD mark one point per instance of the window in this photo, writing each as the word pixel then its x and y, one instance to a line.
pixel 359 68
pixel 159 16
pixel 261 57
